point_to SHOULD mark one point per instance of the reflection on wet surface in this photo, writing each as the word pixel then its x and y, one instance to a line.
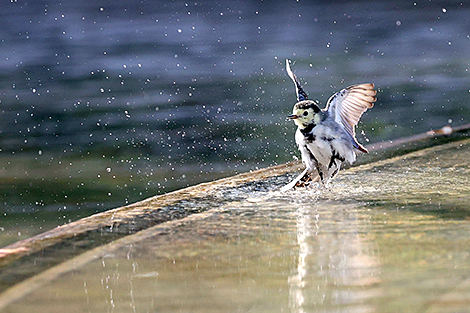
pixel 390 236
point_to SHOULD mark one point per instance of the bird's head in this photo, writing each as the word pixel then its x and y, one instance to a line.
pixel 305 113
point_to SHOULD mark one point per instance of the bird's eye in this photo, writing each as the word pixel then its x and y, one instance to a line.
pixel 305 113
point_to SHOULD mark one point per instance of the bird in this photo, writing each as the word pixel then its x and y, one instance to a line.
pixel 326 137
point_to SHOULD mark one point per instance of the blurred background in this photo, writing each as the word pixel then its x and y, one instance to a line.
pixel 104 103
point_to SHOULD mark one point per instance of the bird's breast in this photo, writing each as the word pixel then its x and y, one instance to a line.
pixel 326 140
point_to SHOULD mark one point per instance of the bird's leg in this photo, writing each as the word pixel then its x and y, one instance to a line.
pixel 304 180
pixel 307 179
pixel 293 183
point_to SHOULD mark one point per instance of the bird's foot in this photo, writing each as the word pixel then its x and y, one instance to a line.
pixel 304 181
pixel 307 180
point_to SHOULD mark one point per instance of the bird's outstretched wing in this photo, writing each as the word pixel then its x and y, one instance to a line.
pixel 348 105
pixel 301 94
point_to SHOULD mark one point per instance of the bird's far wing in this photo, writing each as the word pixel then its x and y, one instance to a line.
pixel 348 105
pixel 301 94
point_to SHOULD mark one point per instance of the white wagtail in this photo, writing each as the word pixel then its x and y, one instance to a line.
pixel 326 137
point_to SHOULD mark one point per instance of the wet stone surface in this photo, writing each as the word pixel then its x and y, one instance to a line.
pixel 390 236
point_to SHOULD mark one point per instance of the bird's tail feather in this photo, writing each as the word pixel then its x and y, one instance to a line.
pixel 301 94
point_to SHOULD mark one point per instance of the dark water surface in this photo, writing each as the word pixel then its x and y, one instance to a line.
pixel 105 103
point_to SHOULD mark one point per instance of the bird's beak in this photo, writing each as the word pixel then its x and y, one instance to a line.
pixel 293 117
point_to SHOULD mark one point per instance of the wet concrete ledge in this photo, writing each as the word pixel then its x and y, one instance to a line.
pixel 31 256
pixel 28 257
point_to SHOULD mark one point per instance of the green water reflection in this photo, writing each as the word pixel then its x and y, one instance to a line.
pixel 391 236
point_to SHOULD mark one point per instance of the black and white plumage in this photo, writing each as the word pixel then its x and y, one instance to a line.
pixel 326 137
